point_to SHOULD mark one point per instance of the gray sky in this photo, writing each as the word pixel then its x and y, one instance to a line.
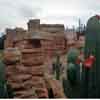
pixel 18 12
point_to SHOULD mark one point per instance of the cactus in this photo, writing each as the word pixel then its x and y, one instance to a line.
pixel 72 66
pixel 71 73
pixel 5 89
pixel 91 80
pixel 57 67
pixel 71 84
pixel 3 93
pixel 72 55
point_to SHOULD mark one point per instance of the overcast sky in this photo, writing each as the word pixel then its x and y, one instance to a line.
pixel 18 12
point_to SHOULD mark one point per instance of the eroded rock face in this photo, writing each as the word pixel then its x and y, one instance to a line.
pixel 25 77
pixel 24 58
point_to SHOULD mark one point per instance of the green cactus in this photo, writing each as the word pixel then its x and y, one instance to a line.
pixel 3 92
pixel 72 66
pixel 72 83
pixel 72 55
pixel 71 73
pixel 5 89
pixel 91 80
pixel 57 67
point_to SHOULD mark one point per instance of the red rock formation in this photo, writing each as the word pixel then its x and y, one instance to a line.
pixel 25 56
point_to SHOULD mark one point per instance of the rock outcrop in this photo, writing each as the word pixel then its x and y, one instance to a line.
pixel 24 55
